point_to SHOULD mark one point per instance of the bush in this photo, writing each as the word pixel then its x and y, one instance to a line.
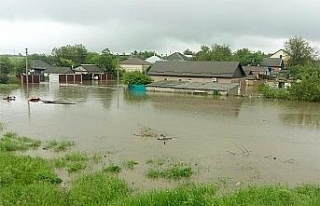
pixel 136 78
pixel 4 79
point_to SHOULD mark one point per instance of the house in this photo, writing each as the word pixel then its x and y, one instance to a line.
pixel 177 56
pixel 254 72
pixel 89 71
pixel 274 64
pixel 197 71
pixel 281 53
pixel 134 64
pixel 54 73
pixel 38 67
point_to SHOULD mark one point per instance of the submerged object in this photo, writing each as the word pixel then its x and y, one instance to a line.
pixel 34 99
pixel 9 98
pixel 57 102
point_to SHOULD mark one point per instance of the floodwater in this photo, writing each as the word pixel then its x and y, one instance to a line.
pixel 237 141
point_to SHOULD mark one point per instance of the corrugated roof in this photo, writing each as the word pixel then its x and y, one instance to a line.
pixel 197 69
pixel 257 69
pixel 135 61
pixel 272 62
pixel 92 68
pixel 58 70
pixel 177 56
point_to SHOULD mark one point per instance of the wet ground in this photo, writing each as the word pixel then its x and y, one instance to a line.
pixel 235 141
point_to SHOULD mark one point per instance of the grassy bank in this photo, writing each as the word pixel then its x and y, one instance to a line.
pixel 26 180
pixel 9 86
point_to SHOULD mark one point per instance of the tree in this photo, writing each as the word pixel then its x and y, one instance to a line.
pixel 299 50
pixel 308 88
pixel 221 53
pixel 66 55
pixel 143 54
pixel 204 54
pixel 248 57
pixel 6 65
pixel 216 53
pixel 188 52
pixel 20 66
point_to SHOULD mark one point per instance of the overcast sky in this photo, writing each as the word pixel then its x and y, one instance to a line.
pixel 164 26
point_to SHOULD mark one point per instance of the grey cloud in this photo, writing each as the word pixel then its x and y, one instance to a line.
pixel 149 23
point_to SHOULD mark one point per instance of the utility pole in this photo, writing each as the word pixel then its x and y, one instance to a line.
pixel 27 80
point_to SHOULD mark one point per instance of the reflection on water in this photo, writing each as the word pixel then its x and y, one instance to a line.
pixel 206 129
pixel 303 120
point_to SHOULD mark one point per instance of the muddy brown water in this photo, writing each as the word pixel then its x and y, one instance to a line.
pixel 236 141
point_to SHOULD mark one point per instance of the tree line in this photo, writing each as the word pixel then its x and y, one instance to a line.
pixel 299 50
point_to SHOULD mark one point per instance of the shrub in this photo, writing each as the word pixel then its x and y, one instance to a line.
pixel 4 79
pixel 136 78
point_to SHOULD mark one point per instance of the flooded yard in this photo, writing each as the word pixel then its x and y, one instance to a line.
pixel 237 141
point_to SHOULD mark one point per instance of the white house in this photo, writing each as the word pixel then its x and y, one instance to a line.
pixel 134 64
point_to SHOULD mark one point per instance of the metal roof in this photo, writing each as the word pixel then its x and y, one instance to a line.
pixel 272 62
pixel 58 70
pixel 197 69
pixel 134 61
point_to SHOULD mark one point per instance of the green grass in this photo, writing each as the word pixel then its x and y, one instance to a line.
pixel 97 189
pixel 130 164
pixel 185 195
pixel 59 146
pixel 97 157
pixel 73 162
pixel 176 172
pixel 24 170
pixel 9 86
pixel 12 142
pixel 27 181
pixel 272 195
pixel 156 162
pixel 112 169
pixel 35 194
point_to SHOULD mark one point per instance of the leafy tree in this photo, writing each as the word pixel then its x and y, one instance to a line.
pixel 109 62
pixel 143 54
pixel 299 50
pixel 216 53
pixel 220 53
pixel 6 65
pixel 204 54
pixel 136 77
pixel 92 58
pixel 308 88
pixel 20 66
pixel 188 52
pixel 66 55
pixel 248 57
